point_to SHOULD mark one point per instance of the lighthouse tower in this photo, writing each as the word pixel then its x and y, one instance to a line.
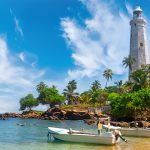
pixel 138 40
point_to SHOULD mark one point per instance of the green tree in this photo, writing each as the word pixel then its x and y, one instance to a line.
pixel 41 86
pixel 121 105
pixel 50 96
pixel 102 97
pixel 107 75
pixel 86 97
pixel 28 102
pixel 147 70
pixel 119 86
pixel 97 96
pixel 128 62
pixel 130 105
pixel 139 79
pixel 69 92
pixel 95 85
pixel 111 89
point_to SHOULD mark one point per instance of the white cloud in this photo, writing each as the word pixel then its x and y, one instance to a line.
pixel 16 80
pixel 22 56
pixel 102 42
pixel 28 58
pixel 18 28
pixel 129 9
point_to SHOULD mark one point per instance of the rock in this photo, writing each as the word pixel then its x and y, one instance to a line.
pixel 147 124
pixel 31 115
pixel 140 124
pixel 120 124
pixel 11 115
pixel 72 115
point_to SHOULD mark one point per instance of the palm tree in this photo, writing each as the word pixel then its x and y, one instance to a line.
pixel 118 85
pixel 128 62
pixel 107 75
pixel 86 97
pixel 69 91
pixel 147 70
pixel 95 85
pixel 139 79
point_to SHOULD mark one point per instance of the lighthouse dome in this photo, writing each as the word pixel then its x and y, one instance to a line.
pixel 138 9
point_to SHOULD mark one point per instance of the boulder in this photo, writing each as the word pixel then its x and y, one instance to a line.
pixel 72 115
pixel 120 124
pixel 140 124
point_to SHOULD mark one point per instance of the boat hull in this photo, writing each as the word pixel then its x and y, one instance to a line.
pixel 85 139
pixel 104 138
pixel 135 132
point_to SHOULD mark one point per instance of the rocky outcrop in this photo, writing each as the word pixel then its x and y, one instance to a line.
pixel 9 115
pixel 72 115
pixel 30 114
pixel 120 124
pixel 95 121
pixel 140 124
pixel 137 124
pixel 58 114
pixel 53 114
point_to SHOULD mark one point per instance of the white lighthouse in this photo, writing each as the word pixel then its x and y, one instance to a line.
pixel 138 40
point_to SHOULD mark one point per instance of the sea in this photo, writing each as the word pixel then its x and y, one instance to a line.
pixel 33 136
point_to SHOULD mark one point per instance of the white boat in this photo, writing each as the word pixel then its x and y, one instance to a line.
pixel 133 132
pixel 109 138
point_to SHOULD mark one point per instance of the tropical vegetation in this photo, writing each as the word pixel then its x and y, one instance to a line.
pixel 130 99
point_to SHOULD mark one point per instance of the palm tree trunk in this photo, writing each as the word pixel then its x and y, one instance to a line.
pixel 106 83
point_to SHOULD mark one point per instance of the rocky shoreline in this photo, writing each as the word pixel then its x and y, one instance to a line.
pixel 58 114
pixel 50 114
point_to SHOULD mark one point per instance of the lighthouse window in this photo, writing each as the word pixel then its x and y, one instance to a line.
pixel 141 44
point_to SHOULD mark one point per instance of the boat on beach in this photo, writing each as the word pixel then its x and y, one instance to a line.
pixel 69 135
pixel 133 132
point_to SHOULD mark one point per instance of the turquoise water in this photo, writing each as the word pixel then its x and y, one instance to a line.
pixel 33 136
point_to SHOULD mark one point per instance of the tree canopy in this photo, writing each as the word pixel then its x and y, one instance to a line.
pixel 49 95
pixel 107 75
pixel 28 102
pixel 69 92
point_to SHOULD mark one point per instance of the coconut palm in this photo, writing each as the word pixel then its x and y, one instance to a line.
pixel 147 70
pixel 69 91
pixel 118 85
pixel 139 79
pixel 107 75
pixel 128 62
pixel 95 85
pixel 86 97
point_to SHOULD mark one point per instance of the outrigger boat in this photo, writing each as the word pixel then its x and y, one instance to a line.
pixel 133 132
pixel 69 135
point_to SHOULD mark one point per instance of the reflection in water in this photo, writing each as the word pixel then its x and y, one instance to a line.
pixel 133 144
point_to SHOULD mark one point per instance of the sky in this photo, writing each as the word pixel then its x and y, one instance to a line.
pixel 57 41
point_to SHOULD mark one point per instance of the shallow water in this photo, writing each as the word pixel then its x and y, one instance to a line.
pixel 34 137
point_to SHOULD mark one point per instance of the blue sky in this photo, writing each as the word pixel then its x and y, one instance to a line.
pixel 56 41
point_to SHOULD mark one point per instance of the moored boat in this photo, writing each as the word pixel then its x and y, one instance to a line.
pixel 109 138
pixel 133 132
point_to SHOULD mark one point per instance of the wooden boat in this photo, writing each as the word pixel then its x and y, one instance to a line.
pixel 133 132
pixel 70 135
